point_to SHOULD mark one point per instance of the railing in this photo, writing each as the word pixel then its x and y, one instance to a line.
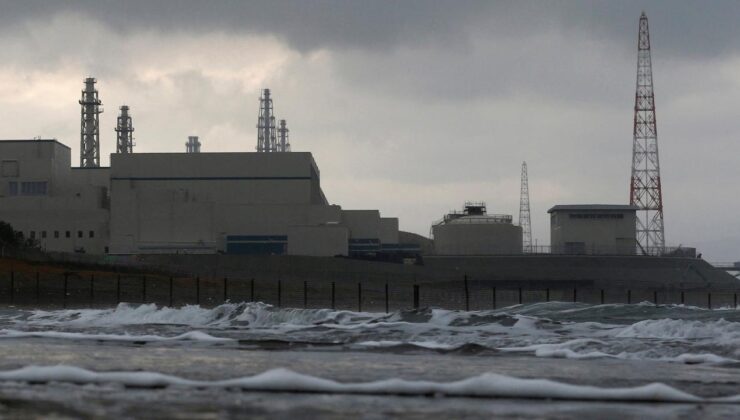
pixel 88 289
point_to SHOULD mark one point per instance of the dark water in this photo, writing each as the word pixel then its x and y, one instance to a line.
pixel 560 360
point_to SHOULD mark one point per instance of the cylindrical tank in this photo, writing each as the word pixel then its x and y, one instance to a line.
pixel 481 234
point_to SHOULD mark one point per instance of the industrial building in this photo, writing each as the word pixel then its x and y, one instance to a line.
pixel 475 232
pixel 593 229
pixel 264 202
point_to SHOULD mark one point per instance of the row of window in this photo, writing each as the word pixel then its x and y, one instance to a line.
pixel 28 188
pixel 596 215
pixel 67 234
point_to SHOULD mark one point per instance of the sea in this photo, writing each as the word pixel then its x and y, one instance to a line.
pixel 251 360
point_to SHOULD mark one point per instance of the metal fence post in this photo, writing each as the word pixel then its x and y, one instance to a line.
pixel 709 300
pixel 64 302
pixel 602 296
pixel 575 295
pixel 359 297
pixel 12 286
pixel 682 297
pixel 305 294
pixel 251 290
pixel 333 296
pixel 38 288
pixel 143 289
pixel 520 295
pixel 92 289
pixel 655 297
pixel 547 294
pixel 226 289
pixel 118 289
pixel 386 299
pixel 467 293
pixel 197 290
pixel 416 296
pixel 171 292
pixel 280 292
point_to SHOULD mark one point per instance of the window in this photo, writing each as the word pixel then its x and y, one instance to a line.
pixel 12 188
pixel 32 234
pixel 92 233
pixel 79 234
pixel 9 168
pixel 56 234
pixel 596 215
pixel 33 188
pixel 43 234
pixel 68 234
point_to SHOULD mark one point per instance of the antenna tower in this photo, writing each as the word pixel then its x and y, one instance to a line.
pixel 90 125
pixel 266 139
pixel 125 132
pixel 524 219
pixel 645 185
pixel 193 145
pixel 283 141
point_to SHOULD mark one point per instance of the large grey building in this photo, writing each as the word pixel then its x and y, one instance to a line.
pixel 475 232
pixel 593 229
pixel 242 203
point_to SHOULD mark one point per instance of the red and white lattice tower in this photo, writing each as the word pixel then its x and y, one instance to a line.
pixel 645 187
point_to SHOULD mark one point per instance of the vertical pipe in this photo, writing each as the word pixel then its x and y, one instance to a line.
pixel 416 296
pixel 359 297
pixel 493 297
pixel 467 293
pixel 386 298
pixel 520 295
pixel 305 295
pixel 333 296
pixel 171 290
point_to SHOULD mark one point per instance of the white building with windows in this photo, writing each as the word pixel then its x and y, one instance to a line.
pixel 240 203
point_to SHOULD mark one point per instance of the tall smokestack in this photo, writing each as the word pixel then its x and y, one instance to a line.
pixel 283 141
pixel 125 132
pixel 90 125
pixel 266 139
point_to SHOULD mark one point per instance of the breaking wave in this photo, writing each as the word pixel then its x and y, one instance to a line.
pixel 670 333
pixel 487 385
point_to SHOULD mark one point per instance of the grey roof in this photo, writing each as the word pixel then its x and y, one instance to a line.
pixel 29 141
pixel 593 207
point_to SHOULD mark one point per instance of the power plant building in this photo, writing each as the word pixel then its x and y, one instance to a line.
pixel 474 232
pixel 593 229
pixel 240 203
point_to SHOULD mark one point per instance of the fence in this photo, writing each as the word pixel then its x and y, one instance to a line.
pixel 27 288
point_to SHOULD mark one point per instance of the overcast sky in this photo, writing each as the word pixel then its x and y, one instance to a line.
pixel 410 107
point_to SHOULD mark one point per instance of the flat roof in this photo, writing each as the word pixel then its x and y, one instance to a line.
pixel 35 141
pixel 593 207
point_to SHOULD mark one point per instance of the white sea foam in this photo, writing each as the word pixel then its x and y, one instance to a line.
pixel 282 380
pixel 188 336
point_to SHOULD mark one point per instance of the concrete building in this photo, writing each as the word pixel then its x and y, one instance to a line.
pixel 593 229
pixel 474 232
pixel 236 203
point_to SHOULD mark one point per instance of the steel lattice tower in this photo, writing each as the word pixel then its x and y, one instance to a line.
pixel 90 125
pixel 125 132
pixel 283 144
pixel 524 219
pixel 266 138
pixel 645 186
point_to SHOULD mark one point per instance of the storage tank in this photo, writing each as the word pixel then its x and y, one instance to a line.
pixel 475 232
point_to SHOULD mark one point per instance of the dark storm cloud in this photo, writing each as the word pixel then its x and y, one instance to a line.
pixel 681 28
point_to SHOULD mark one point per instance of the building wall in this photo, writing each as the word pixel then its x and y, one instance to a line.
pixel 70 214
pixel 324 240
pixel 477 239
pixel 571 232
pixel 388 230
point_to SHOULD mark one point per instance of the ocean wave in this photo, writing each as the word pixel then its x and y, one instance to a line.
pixel 487 385
pixel 188 336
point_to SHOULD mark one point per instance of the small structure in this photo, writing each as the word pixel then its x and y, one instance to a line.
pixel 593 229
pixel 475 232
